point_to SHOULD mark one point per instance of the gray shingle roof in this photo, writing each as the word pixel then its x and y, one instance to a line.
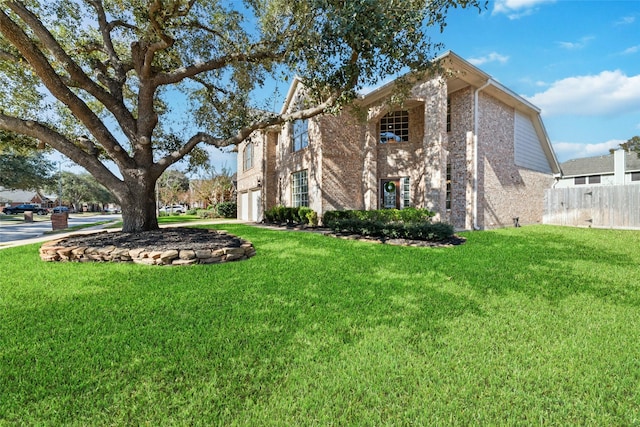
pixel 600 165
pixel 16 196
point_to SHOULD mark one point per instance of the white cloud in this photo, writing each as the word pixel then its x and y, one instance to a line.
pixel 626 20
pixel 575 150
pixel 608 93
pixel 515 9
pixel 576 45
pixel 492 57
pixel 631 50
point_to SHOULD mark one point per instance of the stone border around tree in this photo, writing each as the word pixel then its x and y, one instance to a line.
pixel 52 251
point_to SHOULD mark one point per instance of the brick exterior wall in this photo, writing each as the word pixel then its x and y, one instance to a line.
pixel 342 144
pixel 460 156
pixel 505 190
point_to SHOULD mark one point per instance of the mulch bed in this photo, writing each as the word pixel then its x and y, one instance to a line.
pixel 178 238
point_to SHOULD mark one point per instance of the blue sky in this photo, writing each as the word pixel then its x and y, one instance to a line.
pixel 578 61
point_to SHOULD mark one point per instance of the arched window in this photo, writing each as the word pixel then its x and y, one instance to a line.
pixel 300 135
pixel 299 128
pixel 247 156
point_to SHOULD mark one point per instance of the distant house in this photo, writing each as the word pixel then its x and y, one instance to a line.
pixel 619 168
pixel 17 197
pixel 461 145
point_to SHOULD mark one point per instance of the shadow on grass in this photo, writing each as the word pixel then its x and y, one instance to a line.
pixel 121 343
pixel 551 262
pixel 127 342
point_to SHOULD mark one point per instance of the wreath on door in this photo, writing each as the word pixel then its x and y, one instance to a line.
pixel 389 187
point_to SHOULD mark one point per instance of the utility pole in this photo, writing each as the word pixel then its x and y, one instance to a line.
pixel 60 185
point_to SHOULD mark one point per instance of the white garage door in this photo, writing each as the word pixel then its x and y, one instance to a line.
pixel 244 206
pixel 255 206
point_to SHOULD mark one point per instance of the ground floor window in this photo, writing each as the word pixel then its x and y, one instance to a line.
pixel 300 189
pixel 448 195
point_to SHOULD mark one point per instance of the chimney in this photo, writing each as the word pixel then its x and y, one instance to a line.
pixel 618 166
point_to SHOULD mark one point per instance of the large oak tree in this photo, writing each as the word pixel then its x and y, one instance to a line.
pixel 99 80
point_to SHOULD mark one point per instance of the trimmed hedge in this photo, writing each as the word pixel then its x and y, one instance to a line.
pixel 394 230
pixel 283 214
pixel 408 215
pixel 410 223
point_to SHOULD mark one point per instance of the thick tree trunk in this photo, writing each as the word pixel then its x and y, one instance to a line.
pixel 139 208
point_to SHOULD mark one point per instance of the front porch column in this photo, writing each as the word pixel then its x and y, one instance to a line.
pixel 435 143
pixel 470 177
pixel 370 170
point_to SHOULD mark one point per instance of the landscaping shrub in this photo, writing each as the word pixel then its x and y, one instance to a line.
pixel 307 215
pixel 283 214
pixel 410 223
pixel 393 230
pixel 207 213
pixel 408 215
pixel 227 209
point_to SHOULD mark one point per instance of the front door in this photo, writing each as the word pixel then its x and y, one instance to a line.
pixel 390 194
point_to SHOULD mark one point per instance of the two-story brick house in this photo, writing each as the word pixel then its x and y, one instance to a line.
pixel 461 145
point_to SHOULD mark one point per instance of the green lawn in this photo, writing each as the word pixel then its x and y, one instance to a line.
pixel 526 326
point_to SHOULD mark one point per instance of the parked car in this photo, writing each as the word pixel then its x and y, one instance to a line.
pixel 176 209
pixel 25 207
pixel 60 209
pixel 112 210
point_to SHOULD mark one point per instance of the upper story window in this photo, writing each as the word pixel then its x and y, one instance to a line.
pixel 247 156
pixel 635 176
pixel 300 134
pixel 299 128
pixel 595 179
pixel 394 127
pixel 579 180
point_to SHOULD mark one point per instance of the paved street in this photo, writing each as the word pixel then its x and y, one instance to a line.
pixel 11 231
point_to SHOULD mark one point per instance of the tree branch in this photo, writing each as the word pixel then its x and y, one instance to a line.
pixel 57 88
pixel 76 73
pixel 60 143
pixel 10 57
pixel 115 61
pixel 215 64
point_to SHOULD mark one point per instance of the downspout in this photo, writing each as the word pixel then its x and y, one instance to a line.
pixel 475 152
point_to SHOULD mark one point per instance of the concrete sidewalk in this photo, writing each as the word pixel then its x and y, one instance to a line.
pixel 90 230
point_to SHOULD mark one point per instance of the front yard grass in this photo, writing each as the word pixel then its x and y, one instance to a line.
pixel 534 325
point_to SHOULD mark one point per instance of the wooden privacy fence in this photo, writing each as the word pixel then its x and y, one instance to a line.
pixel 611 206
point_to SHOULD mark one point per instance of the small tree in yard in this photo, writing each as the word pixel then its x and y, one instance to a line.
pixel 213 187
pixel 104 81
pixel 172 186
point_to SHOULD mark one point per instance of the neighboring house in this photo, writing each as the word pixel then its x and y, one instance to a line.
pixel 618 168
pixel 17 197
pixel 461 144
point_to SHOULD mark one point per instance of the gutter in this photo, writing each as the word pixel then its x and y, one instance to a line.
pixel 475 151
